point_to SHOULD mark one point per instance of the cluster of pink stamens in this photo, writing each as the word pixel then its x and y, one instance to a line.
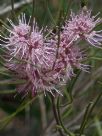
pixel 82 25
pixel 44 62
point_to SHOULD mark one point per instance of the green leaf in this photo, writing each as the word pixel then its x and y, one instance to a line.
pixel 96 58
pixel 5 121
pixel 7 91
pixel 11 82
pixel 5 74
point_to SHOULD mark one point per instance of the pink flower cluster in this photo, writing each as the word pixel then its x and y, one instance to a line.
pixel 82 25
pixel 44 62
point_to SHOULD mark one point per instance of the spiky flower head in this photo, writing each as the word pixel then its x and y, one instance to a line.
pixel 82 26
pixel 38 59
pixel 69 56
pixel 30 57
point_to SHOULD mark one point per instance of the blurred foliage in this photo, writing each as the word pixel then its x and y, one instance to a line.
pixel 79 94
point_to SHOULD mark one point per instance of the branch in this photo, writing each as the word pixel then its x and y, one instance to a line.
pixel 43 112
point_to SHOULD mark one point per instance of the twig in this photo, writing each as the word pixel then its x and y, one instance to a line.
pixel 88 113
pixel 56 114
pixel 43 112
pixel 58 44
pixel 12 6
pixel 32 17
pixel 85 119
pixel 65 129
pixel 13 11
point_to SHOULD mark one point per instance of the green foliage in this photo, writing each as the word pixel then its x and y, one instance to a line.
pixel 79 110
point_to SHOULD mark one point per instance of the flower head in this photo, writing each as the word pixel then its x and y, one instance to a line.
pixel 39 60
pixel 30 56
pixel 69 56
pixel 81 25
